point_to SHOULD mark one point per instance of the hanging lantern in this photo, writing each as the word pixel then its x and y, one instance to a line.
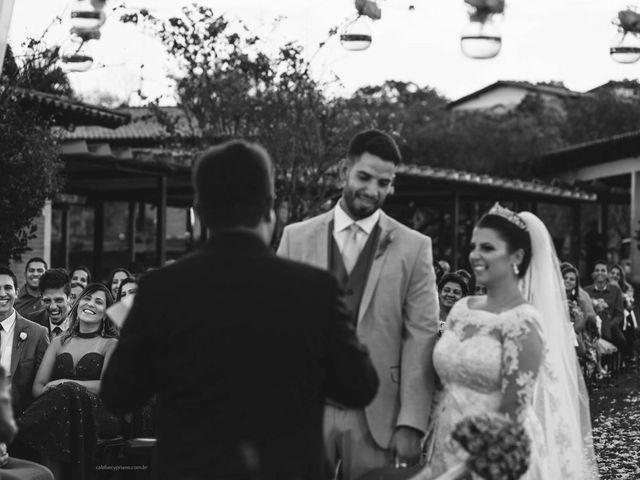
pixel 87 16
pixel 481 38
pixel 76 55
pixel 357 34
pixel 625 47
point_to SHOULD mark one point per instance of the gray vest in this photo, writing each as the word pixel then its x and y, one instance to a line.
pixel 354 283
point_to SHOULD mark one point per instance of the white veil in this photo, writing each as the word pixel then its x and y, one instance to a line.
pixel 560 400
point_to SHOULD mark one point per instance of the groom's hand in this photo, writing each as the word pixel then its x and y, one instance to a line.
pixel 405 446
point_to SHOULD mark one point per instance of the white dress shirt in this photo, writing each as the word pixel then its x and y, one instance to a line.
pixel 63 326
pixel 6 345
pixel 342 221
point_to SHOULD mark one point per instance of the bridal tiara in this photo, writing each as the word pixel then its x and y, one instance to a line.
pixel 507 214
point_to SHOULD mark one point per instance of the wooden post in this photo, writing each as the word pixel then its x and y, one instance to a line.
pixel 161 221
pixel 64 210
pixel 131 232
pixel 455 220
pixel 576 234
pixel 534 207
pixel 98 237
pixel 6 10
pixel 604 228
pixel 189 229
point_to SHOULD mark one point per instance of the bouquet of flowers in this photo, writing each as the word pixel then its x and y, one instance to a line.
pixel 599 305
pixel 498 448
pixel 575 312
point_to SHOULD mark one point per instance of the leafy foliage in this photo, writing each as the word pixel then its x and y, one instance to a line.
pixel 234 88
pixel 37 70
pixel 609 111
pixel 29 156
pixel 232 85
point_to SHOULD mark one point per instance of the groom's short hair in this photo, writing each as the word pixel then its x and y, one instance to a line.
pixel 376 143
pixel 233 183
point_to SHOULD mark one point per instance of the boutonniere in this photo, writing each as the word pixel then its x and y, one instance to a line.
pixel 23 336
pixel 384 243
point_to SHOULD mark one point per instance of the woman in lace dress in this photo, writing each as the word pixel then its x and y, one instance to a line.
pixel 511 352
pixel 65 421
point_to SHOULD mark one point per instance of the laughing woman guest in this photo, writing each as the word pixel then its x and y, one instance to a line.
pixel 116 278
pixel 65 421
pixel 451 288
pixel 127 287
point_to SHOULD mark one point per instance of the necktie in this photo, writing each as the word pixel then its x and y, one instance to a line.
pixel 56 331
pixel 351 249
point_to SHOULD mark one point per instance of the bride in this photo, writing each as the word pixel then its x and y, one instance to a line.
pixel 512 352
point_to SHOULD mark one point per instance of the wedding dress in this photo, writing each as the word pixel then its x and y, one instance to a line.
pixel 470 358
pixel 520 362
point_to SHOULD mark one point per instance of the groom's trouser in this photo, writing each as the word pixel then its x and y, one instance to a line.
pixel 347 439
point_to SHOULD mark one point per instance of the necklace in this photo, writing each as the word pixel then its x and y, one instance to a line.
pixel 89 335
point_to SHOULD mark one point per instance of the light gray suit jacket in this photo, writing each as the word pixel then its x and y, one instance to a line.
pixel 397 319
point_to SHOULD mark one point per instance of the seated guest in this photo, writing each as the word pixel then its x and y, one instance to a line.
pixel 67 417
pixel 129 286
pixel 54 289
pixel 13 468
pixel 579 300
pixel 75 291
pixel 618 277
pixel 28 300
pixel 608 302
pixel 116 277
pixel 451 288
pixel 81 275
pixel 584 320
pixel 22 344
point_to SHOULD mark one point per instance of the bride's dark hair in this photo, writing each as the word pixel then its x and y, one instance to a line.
pixel 515 237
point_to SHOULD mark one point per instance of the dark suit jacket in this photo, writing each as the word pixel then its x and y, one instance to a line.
pixel 241 348
pixel 41 317
pixel 25 360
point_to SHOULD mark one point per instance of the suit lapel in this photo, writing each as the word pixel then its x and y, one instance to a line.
pixel 320 241
pixel 16 352
pixel 379 260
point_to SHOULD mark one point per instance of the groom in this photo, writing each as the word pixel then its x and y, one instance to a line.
pixel 387 272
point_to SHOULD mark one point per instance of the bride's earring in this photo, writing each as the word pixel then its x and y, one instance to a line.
pixel 516 270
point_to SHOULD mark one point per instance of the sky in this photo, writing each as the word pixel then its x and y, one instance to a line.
pixel 543 40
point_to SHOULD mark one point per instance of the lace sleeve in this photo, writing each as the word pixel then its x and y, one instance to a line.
pixel 522 350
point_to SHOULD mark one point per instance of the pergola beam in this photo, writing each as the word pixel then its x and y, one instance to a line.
pixel 602 170
pixel 98 236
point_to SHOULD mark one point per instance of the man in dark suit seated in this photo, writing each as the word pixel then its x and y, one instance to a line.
pixel 22 344
pixel 241 370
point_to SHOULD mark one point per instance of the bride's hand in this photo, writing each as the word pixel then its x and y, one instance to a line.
pixel 405 446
